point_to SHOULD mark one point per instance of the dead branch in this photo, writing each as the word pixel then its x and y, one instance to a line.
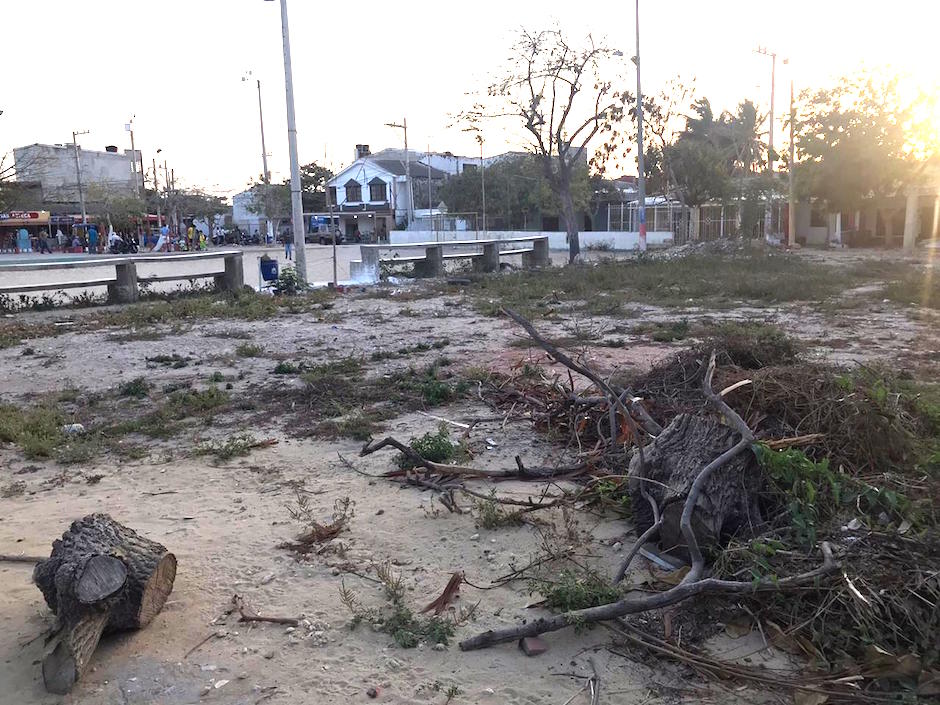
pixel 633 605
pixel 624 400
pixel 246 614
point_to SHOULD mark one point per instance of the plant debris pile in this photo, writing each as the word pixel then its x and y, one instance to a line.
pixel 848 457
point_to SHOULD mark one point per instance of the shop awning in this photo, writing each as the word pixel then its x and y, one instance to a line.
pixel 19 219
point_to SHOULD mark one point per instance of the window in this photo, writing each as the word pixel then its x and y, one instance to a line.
pixel 353 191
pixel 331 193
pixel 469 167
pixel 377 190
pixel 818 218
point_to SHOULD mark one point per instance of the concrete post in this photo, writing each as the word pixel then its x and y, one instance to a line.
pixel 434 261
pixel 489 262
pixel 233 279
pixel 124 289
pixel 370 261
pixel 540 252
pixel 910 221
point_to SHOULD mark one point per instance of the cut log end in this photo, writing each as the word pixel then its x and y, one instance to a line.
pixel 64 665
pixel 102 577
pixel 157 589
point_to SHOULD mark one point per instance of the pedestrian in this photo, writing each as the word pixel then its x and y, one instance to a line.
pixel 44 242
pixel 202 240
pixel 162 240
pixel 288 244
pixel 92 239
pixel 22 240
pixel 60 238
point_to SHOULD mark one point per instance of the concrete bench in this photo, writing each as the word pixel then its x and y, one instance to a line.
pixel 124 285
pixel 431 264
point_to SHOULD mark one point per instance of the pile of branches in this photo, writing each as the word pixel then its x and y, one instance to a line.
pixel 839 567
pixel 870 610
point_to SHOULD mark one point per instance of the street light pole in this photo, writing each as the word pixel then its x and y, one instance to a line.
pixel 770 138
pixel 641 168
pixel 297 210
pixel 410 205
pixel 78 175
pixel 791 211
pixel 130 128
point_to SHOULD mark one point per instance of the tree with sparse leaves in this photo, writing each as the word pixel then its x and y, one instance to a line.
pixel 564 96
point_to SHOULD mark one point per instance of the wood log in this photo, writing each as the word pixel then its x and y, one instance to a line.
pixel 728 500
pixel 101 577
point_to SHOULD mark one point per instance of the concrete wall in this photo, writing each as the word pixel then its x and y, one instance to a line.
pixel 54 167
pixel 556 240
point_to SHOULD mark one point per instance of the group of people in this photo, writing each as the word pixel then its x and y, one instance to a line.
pixel 42 242
pixel 192 240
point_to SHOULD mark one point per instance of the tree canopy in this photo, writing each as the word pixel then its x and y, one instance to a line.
pixel 855 141
pixel 517 192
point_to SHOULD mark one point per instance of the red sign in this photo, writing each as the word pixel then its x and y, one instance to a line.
pixel 20 215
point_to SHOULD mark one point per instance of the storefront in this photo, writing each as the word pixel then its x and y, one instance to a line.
pixel 11 223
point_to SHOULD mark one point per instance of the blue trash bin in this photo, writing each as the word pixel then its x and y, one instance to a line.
pixel 269 271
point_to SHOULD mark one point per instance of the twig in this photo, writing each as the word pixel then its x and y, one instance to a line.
pixel 203 641
pixel 246 614
pixel 458 424
pixel 8 558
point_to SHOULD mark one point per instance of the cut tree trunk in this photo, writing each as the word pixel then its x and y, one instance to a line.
pixel 728 501
pixel 100 577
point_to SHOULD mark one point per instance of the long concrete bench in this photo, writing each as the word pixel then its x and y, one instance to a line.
pixel 124 285
pixel 431 263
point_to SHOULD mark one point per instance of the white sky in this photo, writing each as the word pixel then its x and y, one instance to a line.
pixel 177 65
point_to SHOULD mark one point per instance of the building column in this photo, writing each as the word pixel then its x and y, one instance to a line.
pixel 936 217
pixel 910 221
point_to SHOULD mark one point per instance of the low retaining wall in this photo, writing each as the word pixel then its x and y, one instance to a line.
pixel 556 240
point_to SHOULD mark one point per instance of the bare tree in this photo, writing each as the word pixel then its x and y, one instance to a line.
pixel 541 87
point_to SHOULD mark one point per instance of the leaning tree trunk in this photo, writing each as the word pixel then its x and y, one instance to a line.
pixel 100 577
pixel 728 500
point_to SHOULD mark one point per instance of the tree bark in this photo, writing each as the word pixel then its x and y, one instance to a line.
pixel 673 461
pixel 100 577
pixel 571 222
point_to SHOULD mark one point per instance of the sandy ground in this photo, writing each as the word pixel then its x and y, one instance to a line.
pixel 224 521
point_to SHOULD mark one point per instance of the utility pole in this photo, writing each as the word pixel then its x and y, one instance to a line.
pixel 770 139
pixel 78 175
pixel 791 230
pixel 264 151
pixel 130 128
pixel 156 192
pixel 297 209
pixel 329 206
pixel 430 205
pixel 482 182
pixel 410 195
pixel 641 168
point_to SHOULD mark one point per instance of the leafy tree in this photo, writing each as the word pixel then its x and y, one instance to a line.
pixel 121 209
pixel 313 178
pixel 201 205
pixel 518 192
pixel 854 142
pixel 273 200
pixel 563 97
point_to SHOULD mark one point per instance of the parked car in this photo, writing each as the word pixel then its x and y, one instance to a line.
pixel 324 237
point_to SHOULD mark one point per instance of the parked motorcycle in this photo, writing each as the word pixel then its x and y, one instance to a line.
pixel 124 245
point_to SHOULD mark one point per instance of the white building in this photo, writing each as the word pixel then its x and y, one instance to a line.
pixel 53 166
pixel 371 194
pixel 244 218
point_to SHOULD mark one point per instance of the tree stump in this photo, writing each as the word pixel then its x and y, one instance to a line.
pixel 728 500
pixel 101 577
